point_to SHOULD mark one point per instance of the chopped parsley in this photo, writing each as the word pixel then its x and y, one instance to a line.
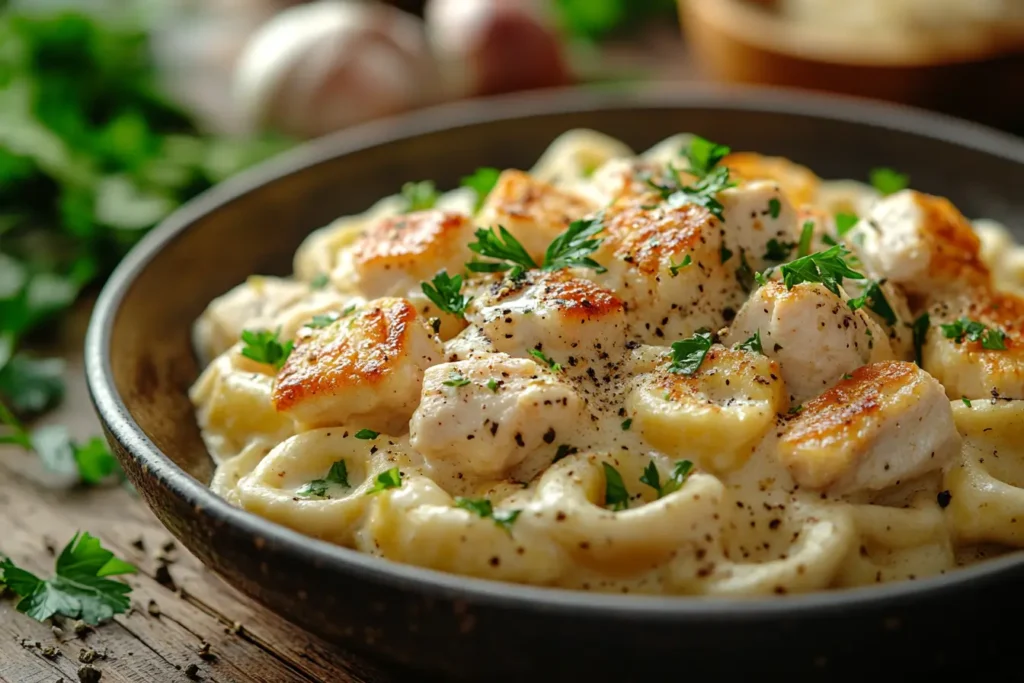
pixel 806 233
pixel 845 223
pixel 688 354
pixel 704 155
pixel 564 450
pixel 920 332
pixel 321 321
pixel 482 181
pixel 967 401
pixel 827 267
pixel 320 281
pixel 725 254
pixel 501 246
pixel 795 409
pixel 367 434
pixel 680 473
pixel 492 384
pixel 875 300
pixel 760 278
pixel 445 292
pixel 674 268
pixel 778 251
pixel 888 181
pixel 338 474
pixel 847 375
pixel 572 247
pixel 992 339
pixel 627 423
pixel 388 479
pixel 753 344
pixel 348 310
pixel 539 355
pixel 80 588
pixel 455 380
pixel 419 196
pixel 265 347
pixel 702 193
pixel 745 274
pixel 615 494
pixel 483 508
pixel 774 207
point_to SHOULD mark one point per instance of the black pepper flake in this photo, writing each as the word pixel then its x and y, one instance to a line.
pixel 549 436
pixel 943 498
pixel 519 440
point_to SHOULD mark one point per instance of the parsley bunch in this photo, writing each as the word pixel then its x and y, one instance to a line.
pixel 444 290
pixel 688 354
pixel 828 267
pixel 992 339
pixel 571 248
pixel 483 508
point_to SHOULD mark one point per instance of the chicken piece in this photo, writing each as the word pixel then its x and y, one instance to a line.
pixel 755 214
pixel 365 369
pixel 798 183
pixel 921 243
pixel 812 333
pixel 969 369
pixel 251 305
pixel 572 320
pixel 623 177
pixel 533 211
pixel 491 416
pixel 396 253
pixel 666 264
pixel 716 415
pixel 887 305
pixel 888 423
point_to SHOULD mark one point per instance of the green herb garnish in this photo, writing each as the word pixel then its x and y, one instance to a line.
pixel 827 267
pixel 563 451
pixel 338 474
pixel 323 320
pixel 806 234
pixel 724 254
pixel 704 155
pixel 482 181
pixel 674 268
pixel 680 473
pixel 572 247
pixel 627 423
pixel 888 181
pixel 539 355
pixel 845 223
pixel 991 338
pixel 367 434
pixel 874 298
pixel 455 380
pixel 265 347
pixel 320 281
pixel 492 384
pixel 967 401
pixel 753 344
pixel 419 196
pixel 688 354
pixel 920 332
pixel 774 207
pixel 501 246
pixel 778 251
pixel 615 494
pixel 445 292
pixel 483 508
pixel 388 479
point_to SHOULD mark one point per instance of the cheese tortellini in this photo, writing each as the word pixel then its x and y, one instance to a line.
pixel 680 371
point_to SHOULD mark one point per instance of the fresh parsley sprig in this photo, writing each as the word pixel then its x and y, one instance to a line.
pixel 572 247
pixel 502 246
pixel 874 298
pixel 539 355
pixel 845 223
pixel 992 339
pixel 445 292
pixel 338 474
pixel 80 587
pixel 419 196
pixel 689 353
pixel 483 508
pixel 828 267
pixel 920 332
pixel 887 181
pixel 616 496
pixel 482 181
pixel 264 346
pixel 778 251
pixel 388 479
pixel 703 193
pixel 753 344
pixel 704 155
pixel 680 473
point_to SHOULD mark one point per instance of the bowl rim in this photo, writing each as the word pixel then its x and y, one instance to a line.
pixel 663 608
pixel 758 27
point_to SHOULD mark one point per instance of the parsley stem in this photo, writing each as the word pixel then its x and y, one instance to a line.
pixel 19 434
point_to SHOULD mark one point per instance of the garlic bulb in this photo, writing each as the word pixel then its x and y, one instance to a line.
pixel 322 66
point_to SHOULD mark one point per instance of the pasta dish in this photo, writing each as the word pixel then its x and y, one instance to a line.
pixel 685 371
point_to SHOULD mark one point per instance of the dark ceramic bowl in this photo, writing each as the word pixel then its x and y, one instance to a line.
pixel 140 364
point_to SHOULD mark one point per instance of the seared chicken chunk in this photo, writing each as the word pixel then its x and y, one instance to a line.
pixel 921 243
pixel 483 418
pixel 396 253
pixel 811 333
pixel 755 214
pixel 533 211
pixel 621 178
pixel 716 415
pixel 571 319
pixel 365 369
pixel 798 183
pixel 888 423
pixel 986 361
pixel 886 304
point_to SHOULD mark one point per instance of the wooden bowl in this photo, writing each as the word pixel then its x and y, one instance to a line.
pixel 979 76
pixel 140 364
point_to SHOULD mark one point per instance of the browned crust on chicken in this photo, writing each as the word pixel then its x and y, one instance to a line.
pixel 644 237
pixel 957 254
pixel 738 365
pixel 578 299
pixel 519 195
pixel 799 183
pixel 398 241
pixel 359 350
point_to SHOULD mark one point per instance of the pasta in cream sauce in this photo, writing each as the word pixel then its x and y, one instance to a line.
pixel 685 371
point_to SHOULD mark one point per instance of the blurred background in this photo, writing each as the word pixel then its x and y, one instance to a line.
pixel 114 112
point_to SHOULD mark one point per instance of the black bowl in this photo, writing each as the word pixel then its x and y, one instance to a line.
pixel 140 365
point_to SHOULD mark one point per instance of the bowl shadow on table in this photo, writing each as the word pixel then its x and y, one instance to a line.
pixel 229 234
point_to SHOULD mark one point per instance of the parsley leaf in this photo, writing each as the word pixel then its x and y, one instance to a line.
pixel 874 298
pixel 753 344
pixel 674 268
pixel 91 461
pixel 626 424
pixel 320 281
pixel 745 274
pixel 703 155
pixel 724 254
pixel 845 223
pixel 920 332
pixel 388 479
pixel 827 267
pixel 806 234
pixel 539 355
pixel 774 207
pixel 338 474
pixel 502 246
pixel 264 346
pixel 615 494
pixel 778 251
pixel 79 589
pixel 572 247
pixel 482 181
pixel 445 292
pixel 419 196
pixel 483 508
pixel 680 473
pixel 702 193
pixel 492 384
pixel 455 380
pixel 992 339
pixel 967 401
pixel 888 181
pixel 367 434
pixel 688 354
pixel 322 320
